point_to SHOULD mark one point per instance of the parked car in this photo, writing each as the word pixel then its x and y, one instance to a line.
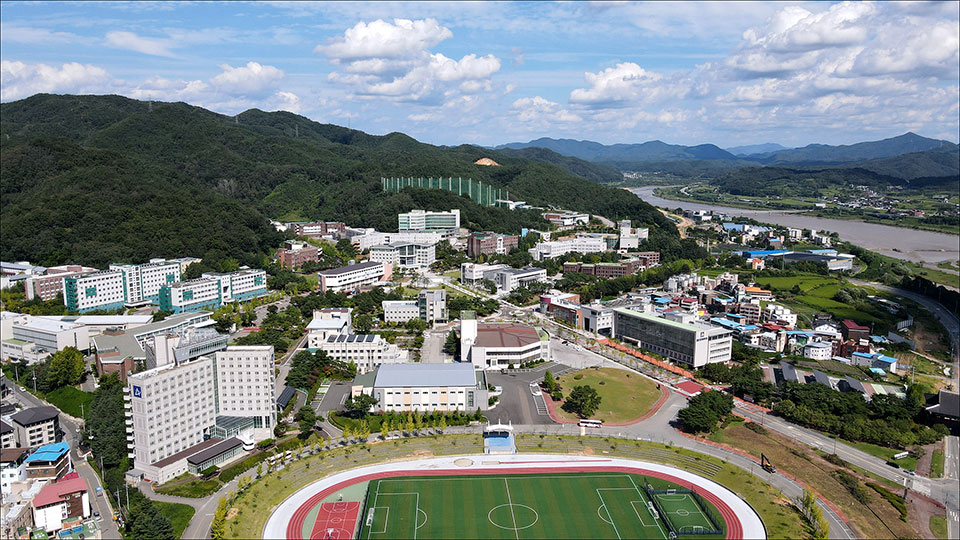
pixel 96 516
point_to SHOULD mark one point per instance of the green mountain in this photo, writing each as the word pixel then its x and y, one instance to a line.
pixel 100 179
pixel 594 172
pixel 821 154
pixel 648 151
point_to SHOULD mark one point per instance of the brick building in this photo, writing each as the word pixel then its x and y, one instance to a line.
pixel 488 243
pixel 293 255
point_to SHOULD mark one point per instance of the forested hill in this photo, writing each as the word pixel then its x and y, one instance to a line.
pixel 99 179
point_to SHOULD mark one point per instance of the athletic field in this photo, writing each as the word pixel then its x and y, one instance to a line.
pixel 576 505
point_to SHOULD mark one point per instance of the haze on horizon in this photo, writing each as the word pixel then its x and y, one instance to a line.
pixel 491 73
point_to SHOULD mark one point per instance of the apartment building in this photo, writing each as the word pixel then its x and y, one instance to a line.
pixel 212 290
pixel 37 426
pixel 49 285
pixel 691 343
pixel 244 381
pixel 143 281
pixel 488 243
pixel 59 501
pixel 49 462
pixel 355 276
pixel 405 255
pixel 293 255
pixel 424 387
pixel 577 244
pixel 424 220
pixel 98 290
pixel 8 436
pixel 777 314
pixel 367 351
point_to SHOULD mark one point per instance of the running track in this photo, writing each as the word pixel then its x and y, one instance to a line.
pixel 295 525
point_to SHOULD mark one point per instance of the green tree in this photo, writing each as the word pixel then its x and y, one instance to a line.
pixel 549 382
pixel 582 401
pixel 149 523
pixel 452 344
pixel 218 527
pixel 363 323
pixel 307 419
pixel 359 406
pixel 106 422
pixel 66 368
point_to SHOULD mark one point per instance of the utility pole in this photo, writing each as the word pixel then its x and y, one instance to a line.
pixel 127 486
pixel 34 382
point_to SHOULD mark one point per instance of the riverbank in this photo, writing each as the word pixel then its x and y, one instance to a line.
pixel 905 244
pixel 671 194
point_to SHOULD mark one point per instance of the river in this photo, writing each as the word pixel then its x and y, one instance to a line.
pixel 902 243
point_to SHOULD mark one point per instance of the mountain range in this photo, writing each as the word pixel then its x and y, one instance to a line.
pixel 101 179
pixel 906 156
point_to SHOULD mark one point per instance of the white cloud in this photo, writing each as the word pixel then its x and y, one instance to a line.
pixel 623 83
pixel 538 110
pixel 393 60
pixel 252 79
pixel 381 39
pixel 20 80
pixel 133 42
pixel 37 36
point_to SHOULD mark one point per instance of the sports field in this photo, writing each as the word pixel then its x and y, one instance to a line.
pixel 578 505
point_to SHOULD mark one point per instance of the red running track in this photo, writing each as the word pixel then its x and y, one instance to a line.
pixel 734 527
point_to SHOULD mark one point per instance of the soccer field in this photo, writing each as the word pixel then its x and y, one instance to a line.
pixel 578 505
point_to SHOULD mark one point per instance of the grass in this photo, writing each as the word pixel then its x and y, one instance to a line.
pixel 806 283
pixel 540 506
pixel 884 453
pixel 936 464
pixel 624 396
pixel 195 489
pixel 938 526
pixel 178 514
pixel 70 400
pixel 938 276
pixel 875 519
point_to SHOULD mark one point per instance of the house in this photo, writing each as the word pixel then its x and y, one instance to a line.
pixel 49 462
pixel 947 409
pixel 874 360
pixel 58 501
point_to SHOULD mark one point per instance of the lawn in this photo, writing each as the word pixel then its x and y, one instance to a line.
pixel 624 396
pixel 806 283
pixel 178 514
pixel 938 526
pixel 936 464
pixel 194 489
pixel 885 453
pixel 593 505
pixel 70 400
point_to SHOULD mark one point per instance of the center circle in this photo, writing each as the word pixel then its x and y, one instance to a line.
pixel 505 515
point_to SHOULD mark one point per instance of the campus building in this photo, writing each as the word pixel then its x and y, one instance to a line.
pixel 328 322
pixel 212 290
pixel 405 254
pixel 567 219
pixel 693 343
pixel 367 351
pixel 104 290
pixel 143 281
pixel 424 387
pixel 423 220
pixel 430 306
pixel 630 237
pixel 176 409
pixel 49 285
pixel 120 351
pixel 364 239
pixel 355 276
pixel 508 279
pixel 320 229
pixel 32 339
pixel 488 243
pixel 499 345
pixel 605 270
pixel 400 311
pixel 293 255
pixel 577 244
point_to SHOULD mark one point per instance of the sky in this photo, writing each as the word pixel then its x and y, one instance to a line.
pixel 489 73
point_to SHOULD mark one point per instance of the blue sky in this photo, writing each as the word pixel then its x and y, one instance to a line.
pixel 488 73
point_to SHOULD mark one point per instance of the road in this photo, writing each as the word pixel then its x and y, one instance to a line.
pixel 97 504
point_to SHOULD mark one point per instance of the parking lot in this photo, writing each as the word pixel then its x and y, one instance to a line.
pixel 517 403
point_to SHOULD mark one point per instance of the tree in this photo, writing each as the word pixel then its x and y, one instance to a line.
pixel 549 382
pixel 161 315
pixel 218 527
pixel 359 406
pixel 66 368
pixel 452 344
pixel 363 323
pixel 307 419
pixel 106 422
pixel 582 401
pixel 149 523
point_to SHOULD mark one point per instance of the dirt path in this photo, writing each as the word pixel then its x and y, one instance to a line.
pixel 919 511
pixel 682 226
pixel 924 461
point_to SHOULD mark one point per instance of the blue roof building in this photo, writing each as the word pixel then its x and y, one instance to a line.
pixel 49 452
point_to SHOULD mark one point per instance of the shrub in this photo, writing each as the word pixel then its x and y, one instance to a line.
pixel 895 500
pixel 756 428
pixel 836 460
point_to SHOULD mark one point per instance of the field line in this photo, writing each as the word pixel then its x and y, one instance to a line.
pixel 512 515
pixel 612 521
pixel 645 498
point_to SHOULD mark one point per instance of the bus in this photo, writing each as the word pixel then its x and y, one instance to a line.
pixel 591 423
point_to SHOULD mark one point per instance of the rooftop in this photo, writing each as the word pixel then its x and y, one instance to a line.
pixel 47 325
pixel 354 338
pixel 55 492
pixel 35 414
pixel 12 455
pixel 505 335
pixel 350 268
pixel 690 327
pixel 406 375
pixel 215 450
pixel 49 452
pixel 187 453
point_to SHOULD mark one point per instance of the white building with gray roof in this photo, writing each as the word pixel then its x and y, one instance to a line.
pixel 424 387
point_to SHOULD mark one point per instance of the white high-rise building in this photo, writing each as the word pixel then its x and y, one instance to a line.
pixel 630 237
pixel 173 408
pixel 423 220
pixel 143 281
pixel 99 290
